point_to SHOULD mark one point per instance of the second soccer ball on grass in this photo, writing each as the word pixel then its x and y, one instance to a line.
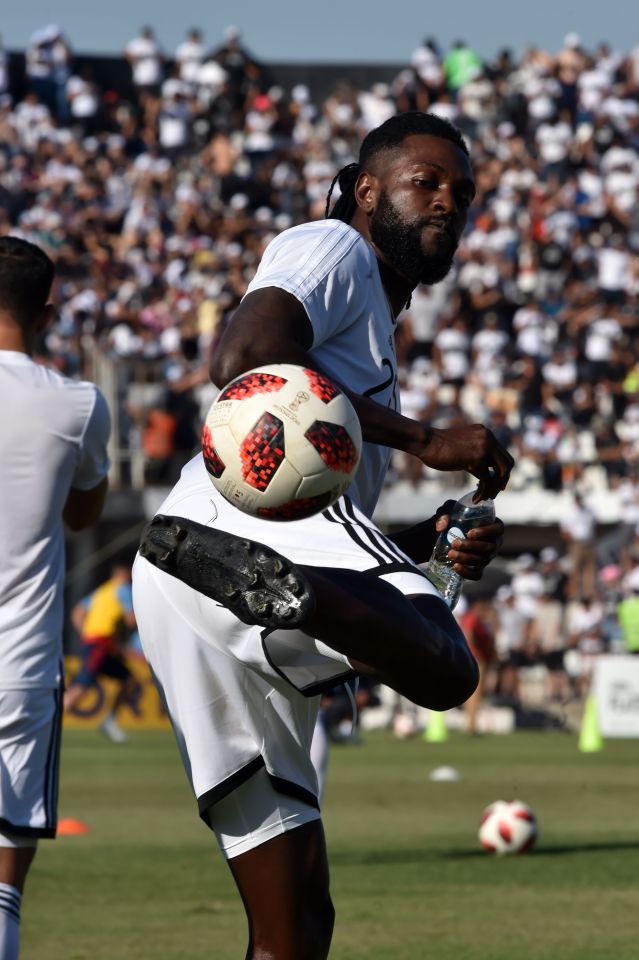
pixel 281 442
pixel 507 826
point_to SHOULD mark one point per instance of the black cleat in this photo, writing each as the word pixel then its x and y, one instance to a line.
pixel 253 581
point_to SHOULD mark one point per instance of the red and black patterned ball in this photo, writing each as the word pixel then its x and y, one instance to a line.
pixel 281 442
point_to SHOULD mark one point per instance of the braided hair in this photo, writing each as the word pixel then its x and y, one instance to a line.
pixel 388 136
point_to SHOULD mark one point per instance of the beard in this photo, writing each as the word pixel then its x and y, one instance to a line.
pixel 402 244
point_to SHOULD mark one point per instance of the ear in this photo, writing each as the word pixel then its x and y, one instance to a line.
pixel 48 315
pixel 367 190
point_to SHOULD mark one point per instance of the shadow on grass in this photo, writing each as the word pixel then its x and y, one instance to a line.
pixel 541 851
pixel 358 858
pixel 426 854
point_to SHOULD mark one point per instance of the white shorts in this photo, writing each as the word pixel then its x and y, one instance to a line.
pixel 243 698
pixel 256 812
pixel 30 726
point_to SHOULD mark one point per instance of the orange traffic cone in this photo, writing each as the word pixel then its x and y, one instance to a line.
pixel 69 826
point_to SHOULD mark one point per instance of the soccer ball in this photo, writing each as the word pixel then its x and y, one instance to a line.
pixel 507 826
pixel 281 442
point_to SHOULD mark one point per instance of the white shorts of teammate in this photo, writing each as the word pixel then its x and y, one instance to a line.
pixel 30 725
pixel 242 699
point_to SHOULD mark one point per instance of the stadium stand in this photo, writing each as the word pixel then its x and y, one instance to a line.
pixel 157 195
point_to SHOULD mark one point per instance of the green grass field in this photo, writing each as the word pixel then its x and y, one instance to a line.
pixel 408 878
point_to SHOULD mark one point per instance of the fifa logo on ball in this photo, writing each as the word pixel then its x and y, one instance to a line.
pixel 300 397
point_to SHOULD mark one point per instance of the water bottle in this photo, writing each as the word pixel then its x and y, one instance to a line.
pixel 464 516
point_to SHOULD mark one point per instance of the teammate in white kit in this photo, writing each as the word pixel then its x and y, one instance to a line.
pixel 246 621
pixel 53 469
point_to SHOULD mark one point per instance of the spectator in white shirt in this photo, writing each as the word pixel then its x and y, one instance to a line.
pixel 146 60
pixel 601 335
pixel 83 97
pixel 613 270
pixel 527 586
pixel 189 56
pixel 553 142
pixel 536 333
pixel 578 529
pixel 175 117
pixel 426 61
pixel 452 355
pixel 586 636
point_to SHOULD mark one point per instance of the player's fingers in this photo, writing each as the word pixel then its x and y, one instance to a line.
pixel 469 572
pixel 483 546
pixel 490 483
pixel 472 551
pixel 503 465
pixel 492 468
pixel 478 554
pixel 491 532
pixel 482 540
pixel 499 468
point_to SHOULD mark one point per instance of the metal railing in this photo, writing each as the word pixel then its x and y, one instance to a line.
pixel 123 381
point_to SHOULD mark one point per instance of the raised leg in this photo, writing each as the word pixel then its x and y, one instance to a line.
pixel 412 644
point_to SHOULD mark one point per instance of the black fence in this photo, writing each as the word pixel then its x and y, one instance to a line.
pixel 114 74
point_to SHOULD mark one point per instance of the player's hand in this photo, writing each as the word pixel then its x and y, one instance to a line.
pixel 474 449
pixel 471 556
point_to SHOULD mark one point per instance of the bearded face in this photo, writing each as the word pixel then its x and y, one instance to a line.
pixel 421 249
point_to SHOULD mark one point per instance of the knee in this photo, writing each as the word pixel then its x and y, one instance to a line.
pixel 303 933
pixel 460 684
pixel 450 674
pixel 455 671
pixel 15 863
pixel 328 921
pixel 314 930
pixel 317 931
pixel 447 688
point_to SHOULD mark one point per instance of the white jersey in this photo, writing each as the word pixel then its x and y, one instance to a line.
pixel 331 269
pixel 53 436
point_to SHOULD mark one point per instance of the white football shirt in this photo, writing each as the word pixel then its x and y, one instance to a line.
pixel 53 436
pixel 330 268
pixel 146 61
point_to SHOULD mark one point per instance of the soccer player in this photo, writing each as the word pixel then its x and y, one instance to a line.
pixel 102 619
pixel 53 470
pixel 246 621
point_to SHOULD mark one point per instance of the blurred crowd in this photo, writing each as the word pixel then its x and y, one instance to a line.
pixel 537 635
pixel 158 206
pixel 538 638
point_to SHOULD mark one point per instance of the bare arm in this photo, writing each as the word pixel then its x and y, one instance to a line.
pixel 271 326
pixel 83 507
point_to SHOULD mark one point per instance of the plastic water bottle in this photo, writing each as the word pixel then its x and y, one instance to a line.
pixel 464 516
